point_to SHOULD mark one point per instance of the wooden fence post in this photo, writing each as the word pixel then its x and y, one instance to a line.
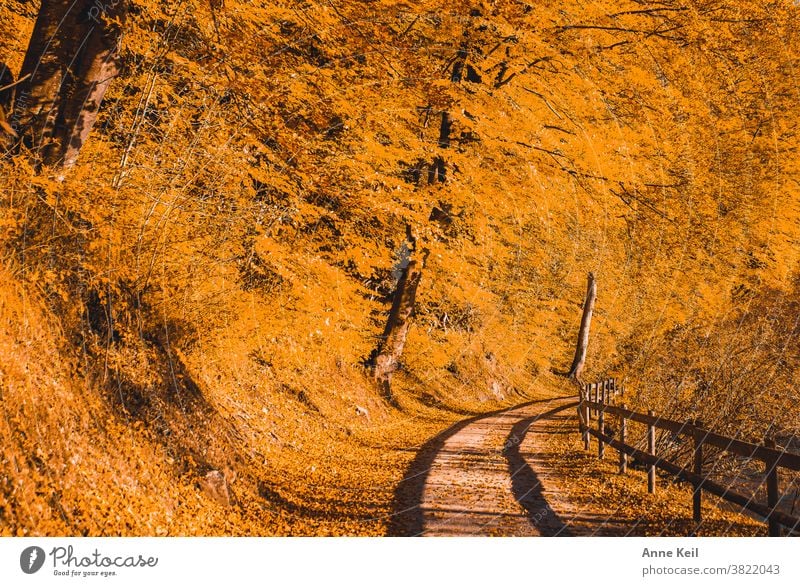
pixel 698 469
pixel 597 396
pixel 588 397
pixel 623 430
pixel 586 428
pixel 601 446
pixel 583 415
pixel 772 489
pixel 651 449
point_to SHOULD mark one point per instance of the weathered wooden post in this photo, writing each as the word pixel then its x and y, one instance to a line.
pixel 772 488
pixel 586 434
pixel 601 445
pixel 651 449
pixel 623 430
pixel 586 414
pixel 697 497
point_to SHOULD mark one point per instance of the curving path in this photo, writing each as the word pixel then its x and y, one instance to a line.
pixel 472 479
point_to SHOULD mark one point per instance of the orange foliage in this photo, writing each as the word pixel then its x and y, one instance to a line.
pixel 201 291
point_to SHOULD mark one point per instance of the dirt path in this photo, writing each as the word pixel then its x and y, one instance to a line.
pixel 473 480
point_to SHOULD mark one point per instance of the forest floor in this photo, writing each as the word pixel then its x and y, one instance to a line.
pixel 522 472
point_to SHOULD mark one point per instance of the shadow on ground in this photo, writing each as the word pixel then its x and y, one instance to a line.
pixel 526 485
pixel 407 515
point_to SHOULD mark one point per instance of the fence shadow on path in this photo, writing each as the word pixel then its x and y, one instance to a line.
pixel 525 483
pixel 407 513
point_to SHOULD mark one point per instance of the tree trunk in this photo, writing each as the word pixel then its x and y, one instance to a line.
pixel 460 63
pixel 45 64
pixel 444 130
pixel 71 60
pixel 391 344
pixel 583 335
pixel 98 64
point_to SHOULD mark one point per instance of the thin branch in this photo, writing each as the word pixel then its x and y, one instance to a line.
pixel 19 81
pixel 409 27
pixel 618 29
pixel 644 202
pixel 535 93
pixel 648 11
pixel 564 130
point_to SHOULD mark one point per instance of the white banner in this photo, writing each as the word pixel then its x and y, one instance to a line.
pixel 408 561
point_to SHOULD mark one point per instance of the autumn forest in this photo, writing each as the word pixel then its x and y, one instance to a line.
pixel 263 263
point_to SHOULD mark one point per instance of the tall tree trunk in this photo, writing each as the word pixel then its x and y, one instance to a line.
pixel 583 335
pixel 71 60
pixel 46 61
pixel 390 347
pixel 96 66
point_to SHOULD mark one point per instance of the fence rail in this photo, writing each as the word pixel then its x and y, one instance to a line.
pixel 596 400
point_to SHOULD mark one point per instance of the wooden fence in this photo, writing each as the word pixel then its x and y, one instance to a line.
pixel 598 398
